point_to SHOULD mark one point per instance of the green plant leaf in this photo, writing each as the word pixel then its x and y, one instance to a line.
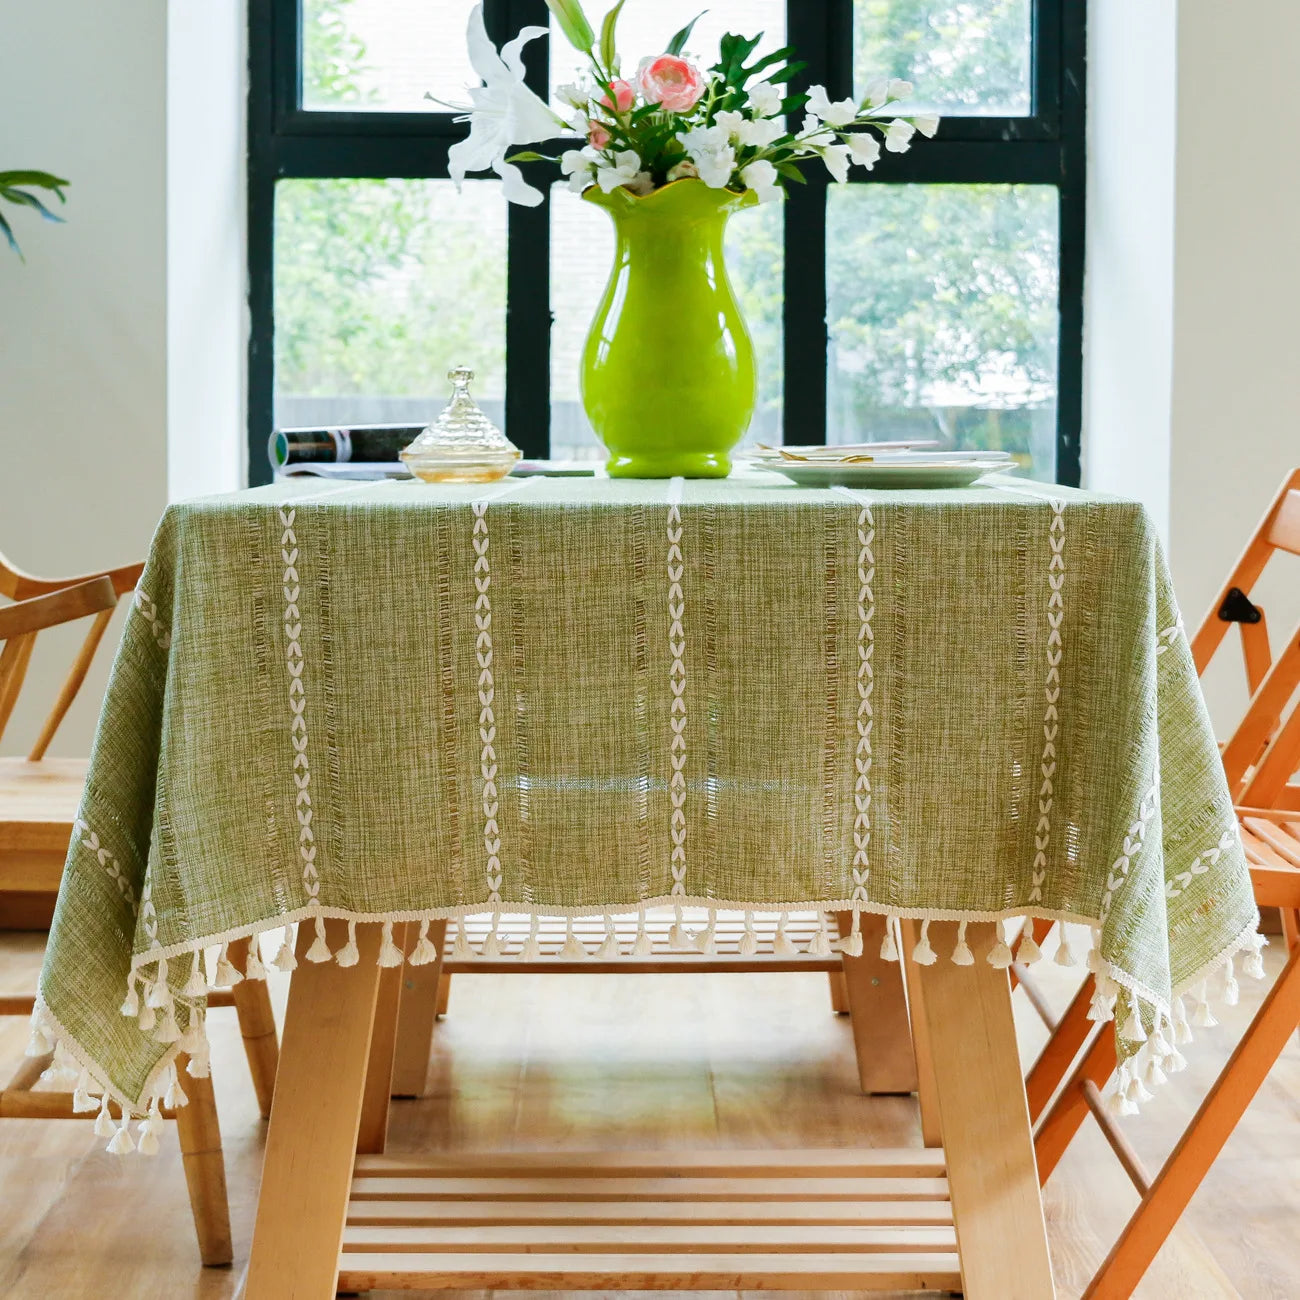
pixel 573 23
pixel 678 43
pixel 528 155
pixel 9 236
pixel 22 198
pixel 608 50
pixel 789 170
pixel 768 60
pixel 44 180
pixel 782 75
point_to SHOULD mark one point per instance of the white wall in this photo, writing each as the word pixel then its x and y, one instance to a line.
pixel 1193 282
pixel 124 330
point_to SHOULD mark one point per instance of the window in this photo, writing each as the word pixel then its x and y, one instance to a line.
pixel 939 295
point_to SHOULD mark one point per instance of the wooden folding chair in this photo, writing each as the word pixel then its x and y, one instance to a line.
pixel 1260 758
pixel 39 797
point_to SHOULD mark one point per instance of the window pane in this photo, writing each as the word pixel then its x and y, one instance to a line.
pixel 385 54
pixel 645 29
pixel 971 57
pixel 582 250
pixel 380 288
pixel 942 312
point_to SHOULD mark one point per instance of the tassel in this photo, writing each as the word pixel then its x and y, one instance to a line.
pixel 644 944
pixel 820 944
pixel 149 1130
pixel 1064 956
pixel 320 949
pixel 1000 954
pixel 781 945
pixel 121 1144
pixel 1132 1027
pixel 1253 965
pixel 851 943
pixel 226 973
pixel 131 1006
pixel 889 945
pixel 1231 992
pixel 460 949
pixel 82 1102
pixel 348 954
pixel 922 953
pixel 197 985
pixel 961 954
pixel 1182 1030
pixel 1028 952
pixel 1137 1092
pixel 174 1098
pixel 492 943
pixel 532 948
pixel 749 940
pixel 1202 1017
pixel 168 1031
pixel 1175 1062
pixel 573 948
pixel 40 1043
pixel 706 940
pixel 254 968
pixel 147 1018
pixel 677 936
pixel 424 952
pixel 1155 1076
pixel 194 1043
pixel 390 954
pixel 609 949
pixel 284 959
pixel 104 1121
pixel 160 995
pixel 1095 961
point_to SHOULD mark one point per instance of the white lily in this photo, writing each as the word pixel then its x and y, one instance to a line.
pixel 760 176
pixel 765 99
pixel 864 149
pixel 505 112
pixel 839 112
pixel 899 135
pixel 926 123
pixel 578 165
pixel 836 158
pixel 623 169
pixel 573 94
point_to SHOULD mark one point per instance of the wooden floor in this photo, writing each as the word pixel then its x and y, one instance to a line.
pixel 530 1062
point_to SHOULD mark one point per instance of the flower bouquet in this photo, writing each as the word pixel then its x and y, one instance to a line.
pixel 671 150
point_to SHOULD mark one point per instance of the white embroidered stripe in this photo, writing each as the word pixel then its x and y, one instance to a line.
pixel 295 662
pixel 677 684
pixel 487 723
pixel 90 840
pixel 1051 694
pixel 149 612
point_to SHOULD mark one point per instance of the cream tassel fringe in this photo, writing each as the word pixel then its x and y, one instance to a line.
pixel 1028 952
pixel 1000 954
pixel 961 954
pixel 573 948
pixel 781 944
pixel 348 954
pixel 226 973
pixel 851 943
pixel 922 953
pixel 609 949
pixel 389 953
pixel 460 949
pixel 532 948
pixel 706 940
pixel 677 936
pixel 197 984
pixel 889 945
pixel 254 967
pixel 320 949
pixel 749 940
pixel 424 952
pixel 644 944
pixel 284 959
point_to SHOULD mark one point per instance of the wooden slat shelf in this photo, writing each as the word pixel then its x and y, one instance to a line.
pixel 864 1220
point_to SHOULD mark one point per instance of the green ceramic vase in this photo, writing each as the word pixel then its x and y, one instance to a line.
pixel 668 377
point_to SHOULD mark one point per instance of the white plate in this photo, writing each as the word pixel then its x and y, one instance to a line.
pixel 883 475
pixel 819 451
pixel 840 456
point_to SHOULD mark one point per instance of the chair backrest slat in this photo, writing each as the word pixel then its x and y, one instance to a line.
pixel 1284 531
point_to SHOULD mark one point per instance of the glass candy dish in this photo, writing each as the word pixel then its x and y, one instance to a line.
pixel 462 445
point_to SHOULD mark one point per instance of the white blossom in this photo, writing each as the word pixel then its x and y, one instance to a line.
pixel 505 112
pixel 761 177
pixel 926 123
pixel 899 89
pixel 765 99
pixel 578 165
pixel 899 135
pixel 573 94
pixel 710 150
pixel 836 158
pixel 863 148
pixel 761 132
pixel 814 135
pixel 623 169
pixel 730 122
pixel 838 113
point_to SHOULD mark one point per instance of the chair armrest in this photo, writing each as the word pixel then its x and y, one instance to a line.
pixel 26 585
pixel 61 606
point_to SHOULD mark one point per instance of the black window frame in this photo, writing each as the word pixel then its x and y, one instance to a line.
pixel 1046 147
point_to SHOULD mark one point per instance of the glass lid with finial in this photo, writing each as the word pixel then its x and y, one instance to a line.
pixel 462 445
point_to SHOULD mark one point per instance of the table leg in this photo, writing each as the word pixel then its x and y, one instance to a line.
pixel 372 1132
pixel 997 1209
pixel 931 1128
pixel 205 1167
pixel 881 1036
pixel 416 1015
pixel 257 1026
pixel 312 1137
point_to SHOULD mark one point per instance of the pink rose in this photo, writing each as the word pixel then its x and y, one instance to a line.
pixel 670 82
pixel 597 136
pixel 624 96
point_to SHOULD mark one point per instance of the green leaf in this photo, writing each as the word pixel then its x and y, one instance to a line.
pixel 782 75
pixel 9 235
pixel 769 59
pixel 573 23
pixel 789 170
pixel 22 198
pixel 608 51
pixel 44 180
pixel 528 155
pixel 678 43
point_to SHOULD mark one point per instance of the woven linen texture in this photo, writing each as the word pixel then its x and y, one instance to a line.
pixel 400 701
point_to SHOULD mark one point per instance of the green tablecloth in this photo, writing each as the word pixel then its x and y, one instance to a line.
pixel 394 701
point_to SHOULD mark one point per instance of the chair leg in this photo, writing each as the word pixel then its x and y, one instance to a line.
pixel 417 1011
pixel 205 1168
pixel 839 993
pixel 444 993
pixel 1199 1146
pixel 926 1092
pixel 372 1128
pixel 1060 1052
pixel 1062 1122
pixel 257 1025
